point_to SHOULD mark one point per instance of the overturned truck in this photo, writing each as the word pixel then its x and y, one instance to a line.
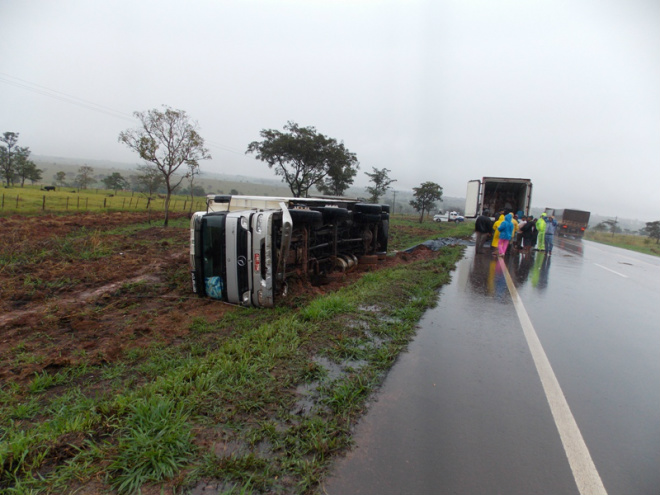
pixel 243 248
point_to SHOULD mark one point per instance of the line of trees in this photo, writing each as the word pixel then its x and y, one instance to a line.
pixel 171 146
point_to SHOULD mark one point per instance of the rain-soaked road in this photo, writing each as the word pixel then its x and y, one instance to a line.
pixel 555 390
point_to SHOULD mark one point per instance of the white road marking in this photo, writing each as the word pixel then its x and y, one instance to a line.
pixel 584 471
pixel 610 270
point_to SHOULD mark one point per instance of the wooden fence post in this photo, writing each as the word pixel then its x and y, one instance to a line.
pixel 43 204
pixel 17 201
pixel 67 202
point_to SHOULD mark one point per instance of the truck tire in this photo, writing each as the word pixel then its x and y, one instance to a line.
pixel 367 217
pixel 367 208
pixel 306 217
pixel 332 215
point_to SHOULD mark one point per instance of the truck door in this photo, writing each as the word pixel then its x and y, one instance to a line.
pixel 472 199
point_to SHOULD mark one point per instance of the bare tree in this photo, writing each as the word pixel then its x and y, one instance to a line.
pixel 168 140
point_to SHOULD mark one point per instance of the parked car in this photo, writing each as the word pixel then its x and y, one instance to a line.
pixel 450 216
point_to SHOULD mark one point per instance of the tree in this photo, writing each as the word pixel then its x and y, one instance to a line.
pixel 305 158
pixel 60 178
pixel 27 169
pixel 341 174
pixel 425 197
pixel 9 152
pixel 149 180
pixel 381 181
pixel 652 230
pixel 167 140
pixel 115 181
pixel 84 177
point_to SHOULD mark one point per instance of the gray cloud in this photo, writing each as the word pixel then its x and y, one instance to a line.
pixel 563 93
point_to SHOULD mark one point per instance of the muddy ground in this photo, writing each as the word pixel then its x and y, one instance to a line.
pixel 86 288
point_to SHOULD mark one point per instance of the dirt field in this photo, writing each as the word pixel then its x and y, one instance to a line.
pixel 86 288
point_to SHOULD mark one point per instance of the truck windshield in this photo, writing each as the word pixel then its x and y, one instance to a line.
pixel 213 249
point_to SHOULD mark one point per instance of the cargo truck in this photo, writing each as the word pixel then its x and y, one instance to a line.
pixel 572 222
pixel 492 194
pixel 243 248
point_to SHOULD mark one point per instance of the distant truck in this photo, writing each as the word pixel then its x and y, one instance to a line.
pixel 572 222
pixel 492 194
pixel 243 248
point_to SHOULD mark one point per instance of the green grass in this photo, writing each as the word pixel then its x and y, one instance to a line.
pixel 157 415
pixel 637 243
pixel 31 199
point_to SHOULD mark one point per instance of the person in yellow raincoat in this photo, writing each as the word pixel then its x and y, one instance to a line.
pixel 496 235
pixel 540 226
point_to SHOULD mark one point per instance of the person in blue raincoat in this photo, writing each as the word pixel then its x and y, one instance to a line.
pixel 550 229
pixel 506 232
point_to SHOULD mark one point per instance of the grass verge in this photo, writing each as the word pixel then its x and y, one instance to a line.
pixel 252 402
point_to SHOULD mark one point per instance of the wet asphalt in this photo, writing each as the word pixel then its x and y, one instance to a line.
pixel 463 410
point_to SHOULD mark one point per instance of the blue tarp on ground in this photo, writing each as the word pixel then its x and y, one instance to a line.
pixel 437 244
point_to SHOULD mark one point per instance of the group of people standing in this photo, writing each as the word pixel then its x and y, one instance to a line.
pixel 516 232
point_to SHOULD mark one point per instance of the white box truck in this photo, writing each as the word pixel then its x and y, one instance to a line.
pixel 243 248
pixel 492 194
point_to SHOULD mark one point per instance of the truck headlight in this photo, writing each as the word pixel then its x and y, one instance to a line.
pixel 244 223
pixel 259 222
pixel 246 298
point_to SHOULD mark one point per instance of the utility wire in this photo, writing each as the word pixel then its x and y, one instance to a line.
pixel 58 95
pixel 89 105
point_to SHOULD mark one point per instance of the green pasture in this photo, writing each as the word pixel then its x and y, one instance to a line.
pixel 33 199
pixel 637 243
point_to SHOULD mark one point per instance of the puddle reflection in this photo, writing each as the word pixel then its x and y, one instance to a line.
pixel 487 278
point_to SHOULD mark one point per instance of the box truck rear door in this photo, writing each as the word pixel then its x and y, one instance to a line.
pixel 472 198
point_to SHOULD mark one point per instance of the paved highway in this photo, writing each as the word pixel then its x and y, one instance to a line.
pixel 534 375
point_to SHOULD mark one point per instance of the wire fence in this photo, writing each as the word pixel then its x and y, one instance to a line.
pixel 30 203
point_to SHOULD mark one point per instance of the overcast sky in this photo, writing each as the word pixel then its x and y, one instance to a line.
pixel 564 92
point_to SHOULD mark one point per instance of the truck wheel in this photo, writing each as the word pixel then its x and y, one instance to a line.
pixel 331 215
pixel 367 208
pixel 306 217
pixel 367 217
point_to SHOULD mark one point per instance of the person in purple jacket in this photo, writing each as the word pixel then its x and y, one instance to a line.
pixel 506 231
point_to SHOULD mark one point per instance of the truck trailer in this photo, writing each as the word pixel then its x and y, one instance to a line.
pixel 493 194
pixel 572 222
pixel 243 248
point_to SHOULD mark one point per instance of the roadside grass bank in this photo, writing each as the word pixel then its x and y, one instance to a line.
pixel 254 401
pixel 637 243
pixel 34 200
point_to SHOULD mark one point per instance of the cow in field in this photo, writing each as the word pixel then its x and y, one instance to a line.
pixel 49 188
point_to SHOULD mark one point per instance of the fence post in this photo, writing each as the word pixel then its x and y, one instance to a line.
pixel 123 203
pixel 103 202
pixel 67 202
pixel 78 203
pixel 148 201
pixel 43 204
pixel 3 200
pixel 17 201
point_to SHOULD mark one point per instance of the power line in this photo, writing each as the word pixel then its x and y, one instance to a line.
pixel 58 95
pixel 89 105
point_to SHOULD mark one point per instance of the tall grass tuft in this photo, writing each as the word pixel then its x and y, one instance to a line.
pixel 154 444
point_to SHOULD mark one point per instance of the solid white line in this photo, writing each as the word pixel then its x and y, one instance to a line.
pixel 610 270
pixel 584 471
